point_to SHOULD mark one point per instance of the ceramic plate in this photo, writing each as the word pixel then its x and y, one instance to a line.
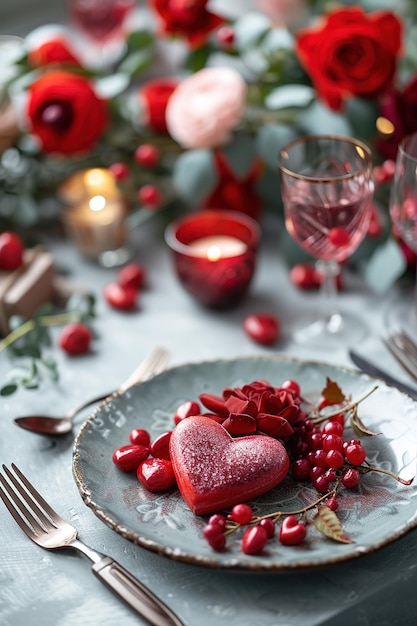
pixel 375 514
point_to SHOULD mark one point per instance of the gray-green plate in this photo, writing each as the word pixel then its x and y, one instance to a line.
pixel 375 514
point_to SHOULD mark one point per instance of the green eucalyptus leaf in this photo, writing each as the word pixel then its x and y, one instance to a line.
pixel 249 30
pixel 112 86
pixel 194 175
pixel 27 210
pixel 289 96
pixel 319 119
pixel 240 154
pixel 269 141
pixel 135 63
pixel 8 390
pixel 139 39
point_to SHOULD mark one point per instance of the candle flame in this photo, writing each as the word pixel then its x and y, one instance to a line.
pixel 213 253
pixel 95 177
pixel 97 203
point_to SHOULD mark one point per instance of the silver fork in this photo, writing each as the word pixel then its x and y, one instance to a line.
pixel 47 529
pixel 404 350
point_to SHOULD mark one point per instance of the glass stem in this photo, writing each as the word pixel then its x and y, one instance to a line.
pixel 329 314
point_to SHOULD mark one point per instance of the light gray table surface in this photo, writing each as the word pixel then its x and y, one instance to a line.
pixel 57 589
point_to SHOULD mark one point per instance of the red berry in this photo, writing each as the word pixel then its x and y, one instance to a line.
pixel 131 275
pixel 292 532
pixel 320 458
pixel 225 37
pixel 156 474
pixel 150 196
pixel 262 328
pixel 292 386
pixel 119 297
pixel 335 459
pixel 339 236
pixel 186 410
pixel 321 484
pixel 332 442
pixel 241 513
pixel 120 171
pixel 75 338
pixel 355 453
pixel 315 472
pixel 218 520
pixel 160 446
pixel 269 526
pixel 305 276
pixel 333 428
pixel 140 436
pixel 212 531
pixel 351 478
pixel 217 543
pixel 332 503
pixel 11 251
pixel 300 469
pixel 128 458
pixel 254 539
pixel 147 155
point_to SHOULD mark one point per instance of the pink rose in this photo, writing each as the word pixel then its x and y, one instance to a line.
pixel 206 107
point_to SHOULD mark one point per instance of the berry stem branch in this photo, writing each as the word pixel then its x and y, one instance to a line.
pixel 45 320
pixel 344 409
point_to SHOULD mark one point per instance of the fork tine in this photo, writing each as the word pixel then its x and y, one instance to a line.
pixel 30 512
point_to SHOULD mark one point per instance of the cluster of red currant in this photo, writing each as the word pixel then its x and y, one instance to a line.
pixel 146 156
pixel 322 456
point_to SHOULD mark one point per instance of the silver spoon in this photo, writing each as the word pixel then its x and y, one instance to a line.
pixel 44 425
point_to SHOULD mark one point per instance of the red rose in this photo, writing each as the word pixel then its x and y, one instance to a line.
pixel 54 51
pixel 65 113
pixel 351 53
pixel 154 96
pixel 187 18
pixel 232 193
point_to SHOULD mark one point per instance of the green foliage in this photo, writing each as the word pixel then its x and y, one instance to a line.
pixel 29 340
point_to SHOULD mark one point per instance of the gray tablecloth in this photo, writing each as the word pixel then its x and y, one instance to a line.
pixel 57 589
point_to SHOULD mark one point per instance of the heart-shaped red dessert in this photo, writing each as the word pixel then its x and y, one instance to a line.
pixel 215 471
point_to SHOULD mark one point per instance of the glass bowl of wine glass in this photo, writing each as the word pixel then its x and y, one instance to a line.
pixel 326 188
pixel 402 312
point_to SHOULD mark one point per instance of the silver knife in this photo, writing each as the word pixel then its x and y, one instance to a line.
pixel 374 370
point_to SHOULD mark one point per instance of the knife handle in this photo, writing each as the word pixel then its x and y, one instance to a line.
pixel 134 593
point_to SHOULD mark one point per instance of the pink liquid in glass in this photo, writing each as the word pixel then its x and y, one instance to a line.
pixel 101 20
pixel 328 224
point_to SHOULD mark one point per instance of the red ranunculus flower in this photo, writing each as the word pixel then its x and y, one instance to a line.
pixel 256 408
pixel 154 96
pixel 187 18
pixel 232 193
pixel 65 113
pixel 55 51
pixel 351 53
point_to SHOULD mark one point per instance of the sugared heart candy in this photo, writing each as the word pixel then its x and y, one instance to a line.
pixel 215 471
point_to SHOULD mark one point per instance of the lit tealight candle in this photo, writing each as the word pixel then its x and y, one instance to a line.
pixel 97 225
pixel 217 247
pixel 86 184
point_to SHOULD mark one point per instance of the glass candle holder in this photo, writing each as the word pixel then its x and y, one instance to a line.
pixel 94 215
pixel 214 254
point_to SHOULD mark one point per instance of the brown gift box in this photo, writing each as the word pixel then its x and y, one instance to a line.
pixel 24 290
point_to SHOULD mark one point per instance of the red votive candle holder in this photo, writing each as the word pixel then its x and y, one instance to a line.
pixel 214 252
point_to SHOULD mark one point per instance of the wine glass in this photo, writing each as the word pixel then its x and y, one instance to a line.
pixel 101 23
pixel 403 210
pixel 326 188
